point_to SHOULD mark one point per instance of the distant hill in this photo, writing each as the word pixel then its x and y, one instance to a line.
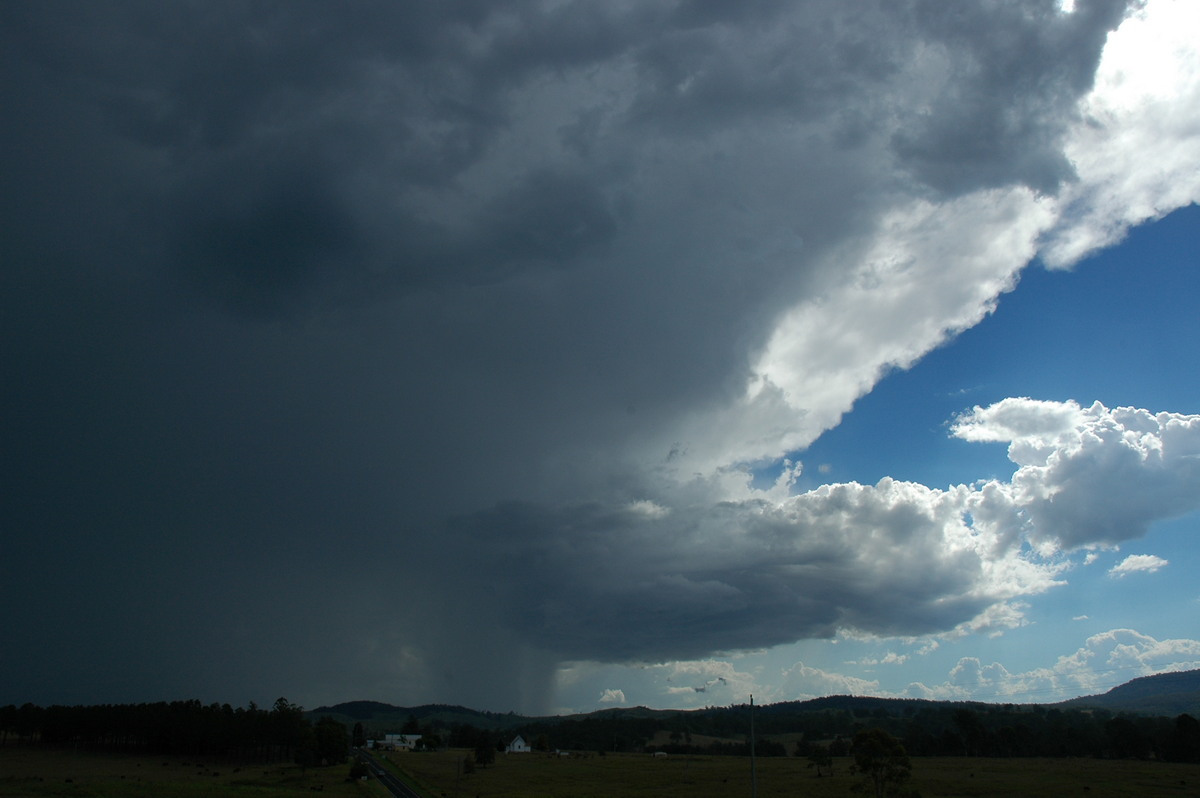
pixel 383 718
pixel 1166 694
pixel 1162 694
pixel 358 710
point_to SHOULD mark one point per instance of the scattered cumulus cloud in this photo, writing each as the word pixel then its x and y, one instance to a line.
pixel 687 684
pixel 890 658
pixel 1137 563
pixel 706 682
pixel 611 696
pixel 1089 477
pixel 1036 424
pixel 802 682
pixel 1102 662
pixel 648 509
pixel 993 622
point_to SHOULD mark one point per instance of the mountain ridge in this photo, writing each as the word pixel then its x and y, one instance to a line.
pixel 1171 693
pixel 1163 694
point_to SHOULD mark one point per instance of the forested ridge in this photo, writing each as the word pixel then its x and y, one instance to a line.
pixel 925 728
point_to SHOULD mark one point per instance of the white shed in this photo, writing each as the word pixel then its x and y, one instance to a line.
pixel 517 746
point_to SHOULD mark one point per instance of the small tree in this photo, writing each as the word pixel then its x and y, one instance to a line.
pixel 359 736
pixel 882 760
pixel 820 759
pixel 485 751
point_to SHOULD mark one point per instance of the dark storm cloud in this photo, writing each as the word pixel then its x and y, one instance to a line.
pixel 286 289
pixel 614 584
pixel 1001 118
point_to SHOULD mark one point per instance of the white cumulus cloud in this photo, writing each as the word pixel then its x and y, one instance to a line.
pixel 802 682
pixel 1089 477
pixel 1102 662
pixel 612 696
pixel 1137 563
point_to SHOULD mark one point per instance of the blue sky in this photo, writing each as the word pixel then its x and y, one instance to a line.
pixel 454 354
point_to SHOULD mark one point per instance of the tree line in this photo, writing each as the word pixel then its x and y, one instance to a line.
pixel 1036 731
pixel 187 728
pixel 925 728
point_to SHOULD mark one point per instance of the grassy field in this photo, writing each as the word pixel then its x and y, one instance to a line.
pixel 30 773
pixel 33 772
pixel 541 776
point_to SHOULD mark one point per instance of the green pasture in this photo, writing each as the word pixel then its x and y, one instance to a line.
pixel 543 776
pixel 32 772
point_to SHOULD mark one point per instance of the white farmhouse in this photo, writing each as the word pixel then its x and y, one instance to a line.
pixel 517 746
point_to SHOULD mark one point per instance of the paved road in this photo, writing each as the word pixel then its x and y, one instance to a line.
pixel 397 788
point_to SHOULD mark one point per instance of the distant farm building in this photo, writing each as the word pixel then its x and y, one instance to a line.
pixel 517 746
pixel 397 742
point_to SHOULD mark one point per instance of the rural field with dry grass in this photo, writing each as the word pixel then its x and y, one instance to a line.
pixel 542 776
pixel 30 772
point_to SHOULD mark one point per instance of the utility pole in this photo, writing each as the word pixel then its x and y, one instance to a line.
pixel 753 770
